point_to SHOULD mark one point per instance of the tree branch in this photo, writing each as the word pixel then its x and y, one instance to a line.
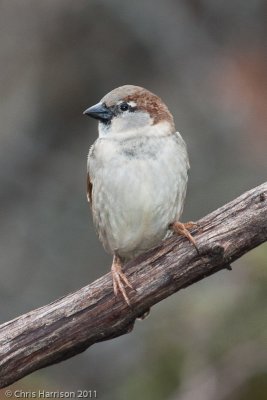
pixel 69 325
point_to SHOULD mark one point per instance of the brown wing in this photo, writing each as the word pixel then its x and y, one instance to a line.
pixel 89 189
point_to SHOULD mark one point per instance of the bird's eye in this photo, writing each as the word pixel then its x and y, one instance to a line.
pixel 124 106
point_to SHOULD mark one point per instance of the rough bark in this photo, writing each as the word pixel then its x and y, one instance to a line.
pixel 71 324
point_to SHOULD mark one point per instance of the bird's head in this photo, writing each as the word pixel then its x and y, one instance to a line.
pixel 131 110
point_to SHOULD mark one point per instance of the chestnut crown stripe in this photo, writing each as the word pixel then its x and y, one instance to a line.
pixel 152 104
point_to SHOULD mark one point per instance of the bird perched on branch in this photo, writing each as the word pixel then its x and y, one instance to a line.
pixel 136 176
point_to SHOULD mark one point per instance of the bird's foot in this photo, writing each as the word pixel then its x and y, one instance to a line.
pixel 182 229
pixel 119 279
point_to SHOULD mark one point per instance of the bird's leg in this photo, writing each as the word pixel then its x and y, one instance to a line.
pixel 119 279
pixel 182 229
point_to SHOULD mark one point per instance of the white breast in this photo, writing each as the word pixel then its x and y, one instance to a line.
pixel 139 186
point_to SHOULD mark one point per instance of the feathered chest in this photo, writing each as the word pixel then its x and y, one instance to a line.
pixel 138 186
pixel 137 152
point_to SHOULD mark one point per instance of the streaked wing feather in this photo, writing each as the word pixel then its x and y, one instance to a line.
pixel 89 189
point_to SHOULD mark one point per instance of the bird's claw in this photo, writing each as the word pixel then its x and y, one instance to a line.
pixel 182 229
pixel 120 280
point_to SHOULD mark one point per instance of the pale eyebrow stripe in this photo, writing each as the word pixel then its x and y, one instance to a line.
pixel 131 103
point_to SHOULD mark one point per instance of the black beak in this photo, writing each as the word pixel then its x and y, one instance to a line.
pixel 99 111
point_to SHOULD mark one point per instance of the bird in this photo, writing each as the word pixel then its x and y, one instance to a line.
pixel 137 172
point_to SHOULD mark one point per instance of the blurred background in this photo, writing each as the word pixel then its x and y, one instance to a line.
pixel 207 59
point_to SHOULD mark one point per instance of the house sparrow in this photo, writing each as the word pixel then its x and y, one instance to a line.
pixel 136 176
